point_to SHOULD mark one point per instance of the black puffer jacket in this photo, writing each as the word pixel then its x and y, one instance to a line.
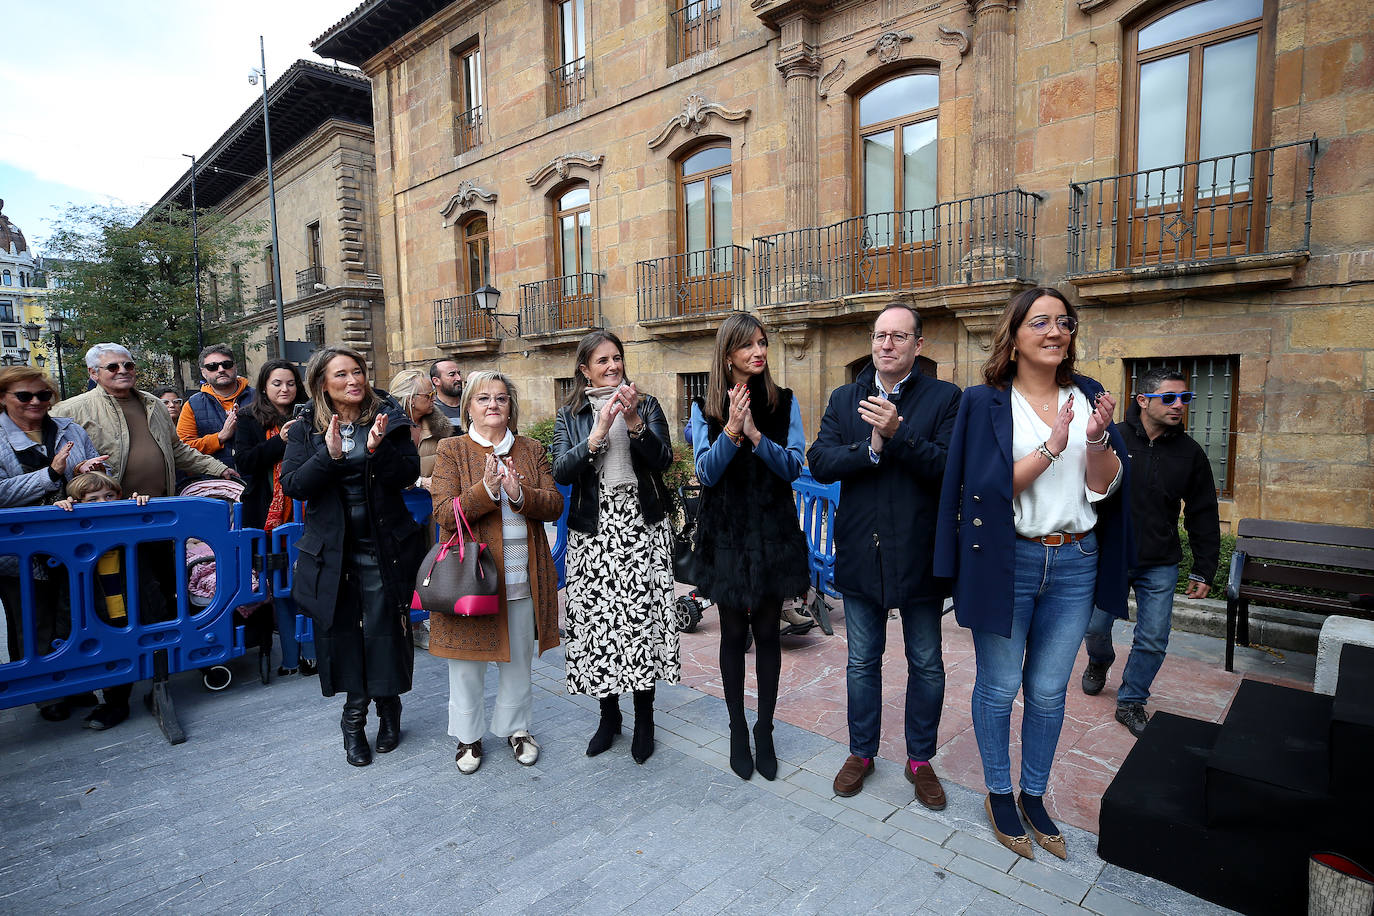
pixel 573 464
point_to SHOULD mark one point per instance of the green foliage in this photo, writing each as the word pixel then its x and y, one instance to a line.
pixel 543 431
pixel 1228 545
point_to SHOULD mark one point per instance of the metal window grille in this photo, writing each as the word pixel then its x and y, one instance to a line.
pixel 314 333
pixel 562 387
pixel 1211 418
pixel 689 385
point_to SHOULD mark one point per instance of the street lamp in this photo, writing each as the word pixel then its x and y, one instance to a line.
pixel 253 76
pixel 23 356
pixel 40 361
pixel 195 254
pixel 55 325
pixel 7 359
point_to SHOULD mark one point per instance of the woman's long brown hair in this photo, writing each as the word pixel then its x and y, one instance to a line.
pixel 314 383
pixel 1001 367
pixel 735 331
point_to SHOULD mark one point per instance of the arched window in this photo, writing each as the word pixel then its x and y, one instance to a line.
pixel 705 232
pixel 1193 120
pixel 573 216
pixel 896 125
pixel 7 278
pixel 476 267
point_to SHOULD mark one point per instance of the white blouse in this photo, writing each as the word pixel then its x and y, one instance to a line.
pixel 1059 499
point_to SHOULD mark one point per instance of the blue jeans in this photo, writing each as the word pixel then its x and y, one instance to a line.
pixel 1052 601
pixel 866 629
pixel 1154 611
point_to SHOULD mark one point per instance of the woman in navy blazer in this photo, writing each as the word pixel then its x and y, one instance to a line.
pixel 1033 530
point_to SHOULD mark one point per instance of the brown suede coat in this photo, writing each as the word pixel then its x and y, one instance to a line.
pixel 458 472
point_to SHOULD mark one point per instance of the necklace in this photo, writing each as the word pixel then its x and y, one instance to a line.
pixel 1044 406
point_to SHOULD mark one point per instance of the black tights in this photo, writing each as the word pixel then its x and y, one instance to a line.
pixel 735 623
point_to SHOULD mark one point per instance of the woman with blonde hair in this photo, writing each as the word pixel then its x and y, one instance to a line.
pixel 350 458
pixel 750 552
pixel 415 390
pixel 504 486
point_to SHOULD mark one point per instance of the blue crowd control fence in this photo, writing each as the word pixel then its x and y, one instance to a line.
pixel 98 654
pixel 816 504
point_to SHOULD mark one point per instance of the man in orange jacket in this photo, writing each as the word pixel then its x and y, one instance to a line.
pixel 209 417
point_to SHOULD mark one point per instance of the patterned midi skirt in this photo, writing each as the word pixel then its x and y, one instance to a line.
pixel 621 630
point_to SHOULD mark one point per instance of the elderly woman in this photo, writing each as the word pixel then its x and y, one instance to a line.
pixel 259 446
pixel 1032 528
pixel 350 456
pixel 505 488
pixel 415 390
pixel 39 455
pixel 611 445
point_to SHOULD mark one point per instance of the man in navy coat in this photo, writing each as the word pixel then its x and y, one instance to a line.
pixel 885 438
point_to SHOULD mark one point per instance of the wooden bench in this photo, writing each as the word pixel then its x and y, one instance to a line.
pixel 1273 559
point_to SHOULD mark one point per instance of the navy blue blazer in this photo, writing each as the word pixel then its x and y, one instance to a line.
pixel 975 538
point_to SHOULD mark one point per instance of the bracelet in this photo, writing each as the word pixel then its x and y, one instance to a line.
pixel 1044 449
pixel 639 431
pixel 736 438
pixel 594 447
pixel 1099 442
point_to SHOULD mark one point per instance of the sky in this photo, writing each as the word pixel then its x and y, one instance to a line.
pixel 98 100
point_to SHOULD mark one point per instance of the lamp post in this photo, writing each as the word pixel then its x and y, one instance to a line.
pixel 40 361
pixel 195 255
pixel 253 76
pixel 55 325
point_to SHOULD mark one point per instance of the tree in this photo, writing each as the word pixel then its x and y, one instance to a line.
pixel 130 277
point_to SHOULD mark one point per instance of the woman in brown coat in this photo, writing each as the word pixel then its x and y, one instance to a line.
pixel 505 487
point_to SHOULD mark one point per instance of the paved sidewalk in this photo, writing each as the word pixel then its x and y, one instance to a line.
pixel 258 813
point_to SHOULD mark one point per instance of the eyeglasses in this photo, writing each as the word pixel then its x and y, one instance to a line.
pixel 1167 397
pixel 25 396
pixel 127 365
pixel 215 367
pixel 1040 324
pixel 897 337
pixel 483 400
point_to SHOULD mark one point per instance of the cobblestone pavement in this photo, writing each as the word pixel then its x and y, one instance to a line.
pixel 258 812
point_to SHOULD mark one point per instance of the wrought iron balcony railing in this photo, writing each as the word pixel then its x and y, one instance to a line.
pixel 468 128
pixel 706 282
pixel 1253 202
pixel 696 28
pixel 989 237
pixel 569 84
pixel 458 318
pixel 561 304
pixel 306 280
pixel 265 296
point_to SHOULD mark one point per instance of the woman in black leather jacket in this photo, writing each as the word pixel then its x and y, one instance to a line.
pixel 611 445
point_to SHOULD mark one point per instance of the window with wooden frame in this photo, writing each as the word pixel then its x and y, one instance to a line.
pixel 467 97
pixel 573 250
pixel 696 28
pixel 705 193
pixel 895 129
pixel 1195 111
pixel 1211 417
pixel 474 273
pixel 569 77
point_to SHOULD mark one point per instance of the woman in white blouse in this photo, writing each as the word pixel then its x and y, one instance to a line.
pixel 1033 530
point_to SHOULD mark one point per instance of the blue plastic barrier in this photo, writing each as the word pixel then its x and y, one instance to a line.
pixel 99 654
pixel 816 504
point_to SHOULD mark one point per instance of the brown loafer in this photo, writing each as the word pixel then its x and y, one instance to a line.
pixel 1054 845
pixel 850 779
pixel 929 792
pixel 1021 845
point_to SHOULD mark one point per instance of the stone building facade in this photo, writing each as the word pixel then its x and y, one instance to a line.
pixel 324 177
pixel 1194 175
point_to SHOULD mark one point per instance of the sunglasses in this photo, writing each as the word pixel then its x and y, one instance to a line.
pixel 127 365
pixel 215 367
pixel 1167 398
pixel 25 396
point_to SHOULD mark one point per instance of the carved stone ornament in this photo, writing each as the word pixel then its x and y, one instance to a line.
pixel 957 37
pixel 830 79
pixel 888 47
pixel 695 111
pixel 757 5
pixel 560 166
pixel 1089 6
pixel 468 192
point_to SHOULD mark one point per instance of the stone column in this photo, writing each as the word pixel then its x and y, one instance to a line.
pixel 994 116
pixel 800 64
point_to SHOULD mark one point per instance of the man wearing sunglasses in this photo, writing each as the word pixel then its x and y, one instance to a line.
pixel 1168 468
pixel 209 417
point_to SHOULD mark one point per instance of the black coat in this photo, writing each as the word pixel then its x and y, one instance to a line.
pixel 1171 470
pixel 885 522
pixel 651 455
pixel 307 473
pixel 256 455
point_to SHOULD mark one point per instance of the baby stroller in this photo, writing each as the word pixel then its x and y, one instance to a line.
pixel 256 619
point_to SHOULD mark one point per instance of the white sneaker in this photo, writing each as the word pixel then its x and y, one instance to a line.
pixel 469 757
pixel 526 750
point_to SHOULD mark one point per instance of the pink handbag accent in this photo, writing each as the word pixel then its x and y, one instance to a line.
pixel 458 577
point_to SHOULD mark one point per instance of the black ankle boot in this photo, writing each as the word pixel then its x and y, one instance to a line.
pixel 741 759
pixel 765 759
pixel 356 749
pixel 642 744
pixel 389 729
pixel 608 728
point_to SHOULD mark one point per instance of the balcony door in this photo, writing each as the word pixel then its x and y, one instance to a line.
pixel 476 273
pixel 705 269
pixel 1196 182
pixel 576 304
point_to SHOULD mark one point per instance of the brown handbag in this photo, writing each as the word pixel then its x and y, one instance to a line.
pixel 458 577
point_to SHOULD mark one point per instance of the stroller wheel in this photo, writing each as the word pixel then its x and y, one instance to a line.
pixel 265 666
pixel 216 677
pixel 687 610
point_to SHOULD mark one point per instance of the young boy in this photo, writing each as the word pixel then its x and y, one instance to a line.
pixel 95 487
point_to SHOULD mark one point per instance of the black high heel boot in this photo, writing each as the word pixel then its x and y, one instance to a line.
pixel 765 758
pixel 609 726
pixel 642 744
pixel 356 749
pixel 741 759
pixel 389 729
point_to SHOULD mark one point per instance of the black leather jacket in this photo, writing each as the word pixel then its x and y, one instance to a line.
pixel 573 465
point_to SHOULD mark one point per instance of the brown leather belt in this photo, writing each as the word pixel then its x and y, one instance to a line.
pixel 1057 539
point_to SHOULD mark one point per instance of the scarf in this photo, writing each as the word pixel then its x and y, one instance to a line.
pixel 279 511
pixel 614 464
